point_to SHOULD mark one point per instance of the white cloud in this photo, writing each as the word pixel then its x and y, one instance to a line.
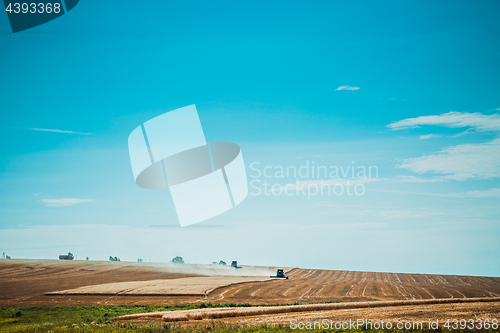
pixel 346 88
pixel 381 212
pixel 478 121
pixel 467 131
pixel 57 131
pixel 395 214
pixel 461 162
pixel 64 202
pixel 413 179
pixel 429 136
pixel 466 161
pixel 491 193
pixel 306 184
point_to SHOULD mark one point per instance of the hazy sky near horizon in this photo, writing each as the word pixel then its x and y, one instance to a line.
pixel 410 89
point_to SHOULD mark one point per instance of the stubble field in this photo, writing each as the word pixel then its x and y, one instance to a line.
pixel 52 282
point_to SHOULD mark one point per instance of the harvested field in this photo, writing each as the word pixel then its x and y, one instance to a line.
pixel 414 312
pixel 317 286
pixel 394 314
pixel 300 310
pixel 190 286
pixel 25 283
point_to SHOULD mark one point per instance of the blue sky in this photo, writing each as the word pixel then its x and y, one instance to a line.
pixel 422 104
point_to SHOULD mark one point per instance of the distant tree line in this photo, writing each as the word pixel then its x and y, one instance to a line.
pixel 178 260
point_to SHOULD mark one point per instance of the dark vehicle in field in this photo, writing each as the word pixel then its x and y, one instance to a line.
pixel 68 256
pixel 280 274
pixel 234 264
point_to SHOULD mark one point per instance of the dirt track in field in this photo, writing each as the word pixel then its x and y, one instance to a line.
pixel 25 282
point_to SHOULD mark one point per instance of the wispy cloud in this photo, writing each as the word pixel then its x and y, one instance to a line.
pixel 396 214
pixel 467 161
pixel 461 162
pixel 413 179
pixel 64 202
pixel 429 136
pixel 381 212
pixel 478 121
pixel 347 88
pixel 467 131
pixel 58 131
pixel 491 193
pixel 306 184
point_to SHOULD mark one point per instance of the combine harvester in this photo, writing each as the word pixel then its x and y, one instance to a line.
pixel 68 256
pixel 280 274
pixel 234 264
